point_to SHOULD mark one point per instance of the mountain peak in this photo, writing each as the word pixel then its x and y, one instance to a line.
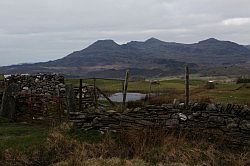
pixel 108 43
pixel 210 40
pixel 153 40
pixel 105 42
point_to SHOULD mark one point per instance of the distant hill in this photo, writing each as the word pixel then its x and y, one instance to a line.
pixel 153 57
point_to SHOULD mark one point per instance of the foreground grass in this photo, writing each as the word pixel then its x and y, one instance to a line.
pixel 20 136
pixel 64 145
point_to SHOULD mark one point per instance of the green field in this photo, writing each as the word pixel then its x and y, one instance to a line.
pixel 137 86
pixel 20 136
pixel 226 90
pixel 228 93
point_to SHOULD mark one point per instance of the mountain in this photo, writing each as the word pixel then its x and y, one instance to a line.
pixel 153 57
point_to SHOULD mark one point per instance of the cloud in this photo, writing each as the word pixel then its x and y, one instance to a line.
pixel 236 21
pixel 42 30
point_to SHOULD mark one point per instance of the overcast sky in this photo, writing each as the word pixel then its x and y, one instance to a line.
pixel 41 30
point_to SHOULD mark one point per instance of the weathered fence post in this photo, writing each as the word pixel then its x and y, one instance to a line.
pixel 125 87
pixel 59 105
pixel 150 89
pixel 187 86
pixel 80 95
pixel 158 89
pixel 95 98
pixel 8 107
pixel 71 105
pixel 30 105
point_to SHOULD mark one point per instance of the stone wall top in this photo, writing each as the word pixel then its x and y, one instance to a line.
pixel 37 84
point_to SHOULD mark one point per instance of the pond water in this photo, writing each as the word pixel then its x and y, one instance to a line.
pixel 117 97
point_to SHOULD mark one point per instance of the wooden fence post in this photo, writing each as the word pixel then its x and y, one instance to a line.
pixel 150 89
pixel 187 93
pixel 8 107
pixel 125 87
pixel 31 106
pixel 59 105
pixel 71 105
pixel 158 89
pixel 80 95
pixel 95 98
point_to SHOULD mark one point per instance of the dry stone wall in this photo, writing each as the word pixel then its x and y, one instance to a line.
pixel 43 95
pixel 229 120
pixel 37 96
pixel 38 84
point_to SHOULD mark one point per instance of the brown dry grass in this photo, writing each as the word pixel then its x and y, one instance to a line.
pixel 158 100
pixel 146 147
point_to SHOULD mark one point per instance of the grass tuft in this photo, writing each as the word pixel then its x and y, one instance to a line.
pixel 151 146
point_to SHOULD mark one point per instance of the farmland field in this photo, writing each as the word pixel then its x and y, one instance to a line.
pixel 138 86
pixel 226 90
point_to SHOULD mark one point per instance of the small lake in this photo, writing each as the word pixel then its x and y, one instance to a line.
pixel 117 97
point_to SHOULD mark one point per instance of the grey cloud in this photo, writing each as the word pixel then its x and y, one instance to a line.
pixel 40 30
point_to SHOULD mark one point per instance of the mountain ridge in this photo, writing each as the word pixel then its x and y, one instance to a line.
pixel 160 57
